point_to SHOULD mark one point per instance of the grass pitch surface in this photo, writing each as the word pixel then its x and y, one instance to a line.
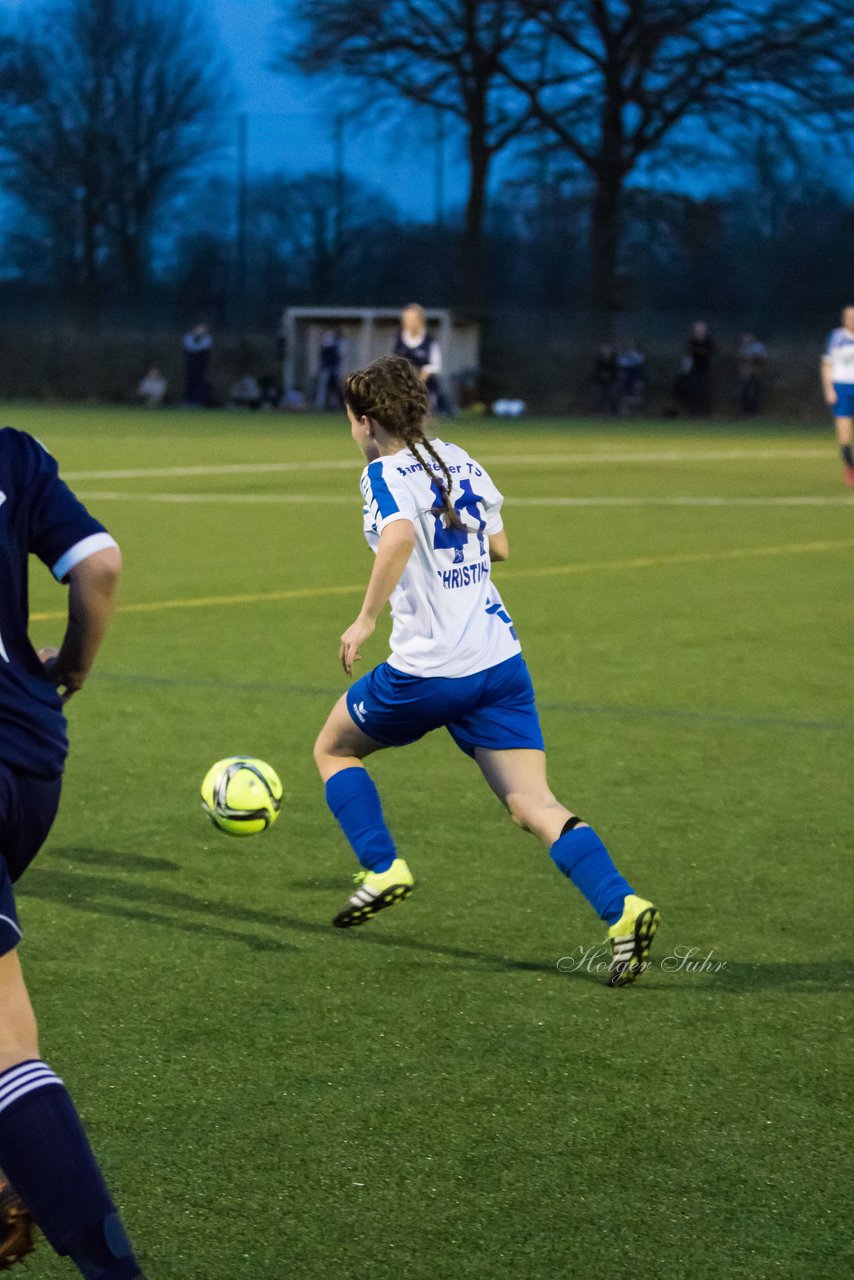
pixel 433 1097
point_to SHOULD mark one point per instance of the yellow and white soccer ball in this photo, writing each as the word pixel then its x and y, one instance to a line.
pixel 242 795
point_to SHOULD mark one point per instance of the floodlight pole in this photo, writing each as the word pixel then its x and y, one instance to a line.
pixel 338 149
pixel 439 171
pixel 240 238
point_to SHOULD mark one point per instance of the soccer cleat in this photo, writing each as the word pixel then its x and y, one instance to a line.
pixel 630 940
pixel 376 890
pixel 849 476
pixel 16 1227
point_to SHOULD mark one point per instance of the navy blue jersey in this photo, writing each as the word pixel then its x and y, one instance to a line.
pixel 418 355
pixel 40 515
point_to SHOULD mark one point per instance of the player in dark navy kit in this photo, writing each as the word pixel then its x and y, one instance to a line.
pixel 44 1151
pixel 416 344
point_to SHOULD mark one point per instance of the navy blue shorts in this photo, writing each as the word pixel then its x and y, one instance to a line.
pixel 844 407
pixel 28 807
pixel 494 708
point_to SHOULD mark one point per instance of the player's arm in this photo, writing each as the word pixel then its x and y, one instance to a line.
pixel 827 380
pixel 91 601
pixel 434 363
pixel 499 546
pixel 395 547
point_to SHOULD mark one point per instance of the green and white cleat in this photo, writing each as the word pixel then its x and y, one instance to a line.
pixel 376 891
pixel 630 940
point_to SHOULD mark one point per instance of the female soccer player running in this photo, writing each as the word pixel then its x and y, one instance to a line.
pixel 44 1152
pixel 433 517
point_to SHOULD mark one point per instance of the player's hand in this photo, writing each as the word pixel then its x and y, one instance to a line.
pixel 352 640
pixel 830 398
pixel 67 684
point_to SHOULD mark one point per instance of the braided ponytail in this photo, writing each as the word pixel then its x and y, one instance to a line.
pixel 391 392
pixel 447 508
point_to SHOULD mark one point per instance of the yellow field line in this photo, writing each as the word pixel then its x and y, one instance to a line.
pixel 549 571
pixel 697 557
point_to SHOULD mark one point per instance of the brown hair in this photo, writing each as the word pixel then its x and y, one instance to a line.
pixel 391 392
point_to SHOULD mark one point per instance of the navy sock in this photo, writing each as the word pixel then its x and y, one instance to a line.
pixel 582 856
pixel 847 455
pixel 46 1156
pixel 355 802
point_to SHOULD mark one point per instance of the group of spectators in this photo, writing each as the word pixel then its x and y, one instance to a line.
pixel 619 375
pixel 414 341
pixel 153 388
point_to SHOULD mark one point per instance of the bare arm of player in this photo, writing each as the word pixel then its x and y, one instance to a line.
pixel 396 543
pixel 499 546
pixel 91 602
pixel 827 381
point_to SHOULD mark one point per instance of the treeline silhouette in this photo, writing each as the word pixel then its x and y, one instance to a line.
pixel 627 168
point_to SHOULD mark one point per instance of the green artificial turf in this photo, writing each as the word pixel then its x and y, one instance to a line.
pixel 432 1097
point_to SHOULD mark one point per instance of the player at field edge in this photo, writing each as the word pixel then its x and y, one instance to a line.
pixel 837 380
pixel 433 518
pixel 44 1151
pixel 416 344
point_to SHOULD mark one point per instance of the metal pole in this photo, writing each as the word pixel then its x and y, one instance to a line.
pixel 240 243
pixel 439 171
pixel 340 193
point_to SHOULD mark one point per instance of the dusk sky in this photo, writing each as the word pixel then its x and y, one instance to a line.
pixel 290 117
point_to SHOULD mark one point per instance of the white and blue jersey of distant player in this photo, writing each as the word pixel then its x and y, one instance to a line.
pixel 840 354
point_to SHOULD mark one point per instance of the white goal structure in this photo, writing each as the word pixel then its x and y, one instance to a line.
pixel 370 332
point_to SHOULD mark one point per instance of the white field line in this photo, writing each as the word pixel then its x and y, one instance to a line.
pixel 613 457
pixel 331 499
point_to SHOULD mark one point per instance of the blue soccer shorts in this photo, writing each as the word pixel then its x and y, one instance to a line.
pixel 494 708
pixel 28 807
pixel 844 407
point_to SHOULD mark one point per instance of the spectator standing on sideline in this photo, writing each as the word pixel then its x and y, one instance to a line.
pixel 330 357
pixel 151 391
pixel 605 379
pixel 752 355
pixel 698 382
pixel 197 358
pixel 837 379
pixel 417 345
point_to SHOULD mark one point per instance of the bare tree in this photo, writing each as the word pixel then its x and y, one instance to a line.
pixel 105 106
pixel 444 55
pixel 625 78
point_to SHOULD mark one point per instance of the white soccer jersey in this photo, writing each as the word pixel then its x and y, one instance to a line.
pixel 840 352
pixel 448 618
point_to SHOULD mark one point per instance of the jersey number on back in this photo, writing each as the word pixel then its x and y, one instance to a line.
pixel 446 537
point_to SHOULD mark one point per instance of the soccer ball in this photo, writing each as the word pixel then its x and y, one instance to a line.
pixel 241 795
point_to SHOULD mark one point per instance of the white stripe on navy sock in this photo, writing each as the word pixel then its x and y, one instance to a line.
pixel 24 1079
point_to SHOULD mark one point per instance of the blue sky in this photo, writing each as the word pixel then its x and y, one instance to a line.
pixel 290 117
pixel 286 114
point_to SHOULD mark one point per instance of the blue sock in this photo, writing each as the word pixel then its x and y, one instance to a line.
pixel 582 856
pixel 46 1156
pixel 355 802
